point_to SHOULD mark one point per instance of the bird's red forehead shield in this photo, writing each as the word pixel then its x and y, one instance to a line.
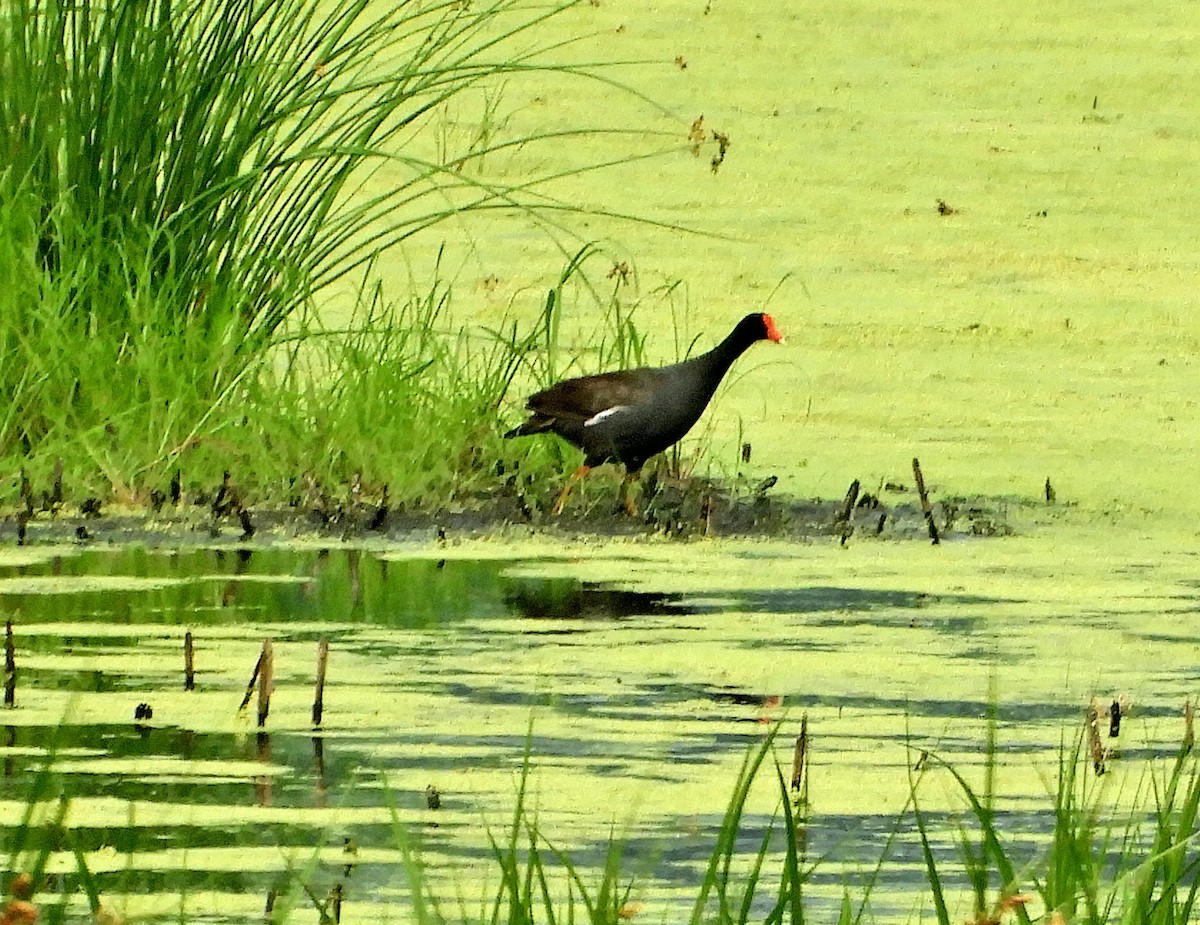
pixel 772 331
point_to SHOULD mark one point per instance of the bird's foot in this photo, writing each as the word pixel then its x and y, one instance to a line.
pixel 568 488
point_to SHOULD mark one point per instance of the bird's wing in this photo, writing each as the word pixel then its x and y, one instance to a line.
pixel 588 396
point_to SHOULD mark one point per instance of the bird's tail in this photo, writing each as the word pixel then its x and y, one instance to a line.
pixel 535 425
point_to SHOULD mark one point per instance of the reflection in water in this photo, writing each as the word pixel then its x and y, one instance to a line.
pixel 569 598
pixel 190 586
pixel 263 782
pixel 321 787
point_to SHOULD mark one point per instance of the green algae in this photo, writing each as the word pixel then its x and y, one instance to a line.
pixel 1043 328
pixel 646 669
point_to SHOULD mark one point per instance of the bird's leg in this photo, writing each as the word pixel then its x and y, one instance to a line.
pixel 574 480
pixel 627 492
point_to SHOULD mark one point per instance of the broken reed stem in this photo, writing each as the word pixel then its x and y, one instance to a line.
pixel 926 507
pixel 319 695
pixel 1189 725
pixel 189 664
pixel 800 762
pixel 10 666
pixel 1095 748
pixel 266 679
pixel 335 900
pixel 848 504
pixel 847 512
pixel 253 680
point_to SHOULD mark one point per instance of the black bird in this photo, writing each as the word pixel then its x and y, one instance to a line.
pixel 633 414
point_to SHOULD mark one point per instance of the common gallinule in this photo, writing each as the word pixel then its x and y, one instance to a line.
pixel 630 415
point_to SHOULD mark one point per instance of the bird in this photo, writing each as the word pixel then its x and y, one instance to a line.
pixel 630 415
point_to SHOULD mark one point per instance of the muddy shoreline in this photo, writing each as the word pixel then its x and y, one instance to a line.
pixel 699 508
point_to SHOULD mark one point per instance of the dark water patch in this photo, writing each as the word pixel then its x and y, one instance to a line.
pixel 571 599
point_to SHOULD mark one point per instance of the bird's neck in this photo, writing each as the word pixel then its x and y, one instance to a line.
pixel 718 360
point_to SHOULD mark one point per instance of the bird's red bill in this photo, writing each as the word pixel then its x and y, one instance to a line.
pixel 772 331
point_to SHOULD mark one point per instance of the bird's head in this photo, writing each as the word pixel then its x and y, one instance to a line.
pixel 770 332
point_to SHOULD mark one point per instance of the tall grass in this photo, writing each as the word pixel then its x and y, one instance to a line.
pixel 180 181
pixel 399 394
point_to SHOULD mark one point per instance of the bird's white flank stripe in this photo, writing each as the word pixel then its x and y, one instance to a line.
pixel 607 412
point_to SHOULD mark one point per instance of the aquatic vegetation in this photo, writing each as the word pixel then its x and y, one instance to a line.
pixel 1096 868
pixel 653 674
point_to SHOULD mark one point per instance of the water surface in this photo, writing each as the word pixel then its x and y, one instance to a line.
pixel 637 674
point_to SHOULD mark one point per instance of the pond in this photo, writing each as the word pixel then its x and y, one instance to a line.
pixel 629 678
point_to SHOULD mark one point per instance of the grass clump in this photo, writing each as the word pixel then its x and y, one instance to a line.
pixel 1096 869
pixel 181 182
pixel 1092 870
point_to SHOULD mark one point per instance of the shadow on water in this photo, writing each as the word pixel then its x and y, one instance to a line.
pixel 843 600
